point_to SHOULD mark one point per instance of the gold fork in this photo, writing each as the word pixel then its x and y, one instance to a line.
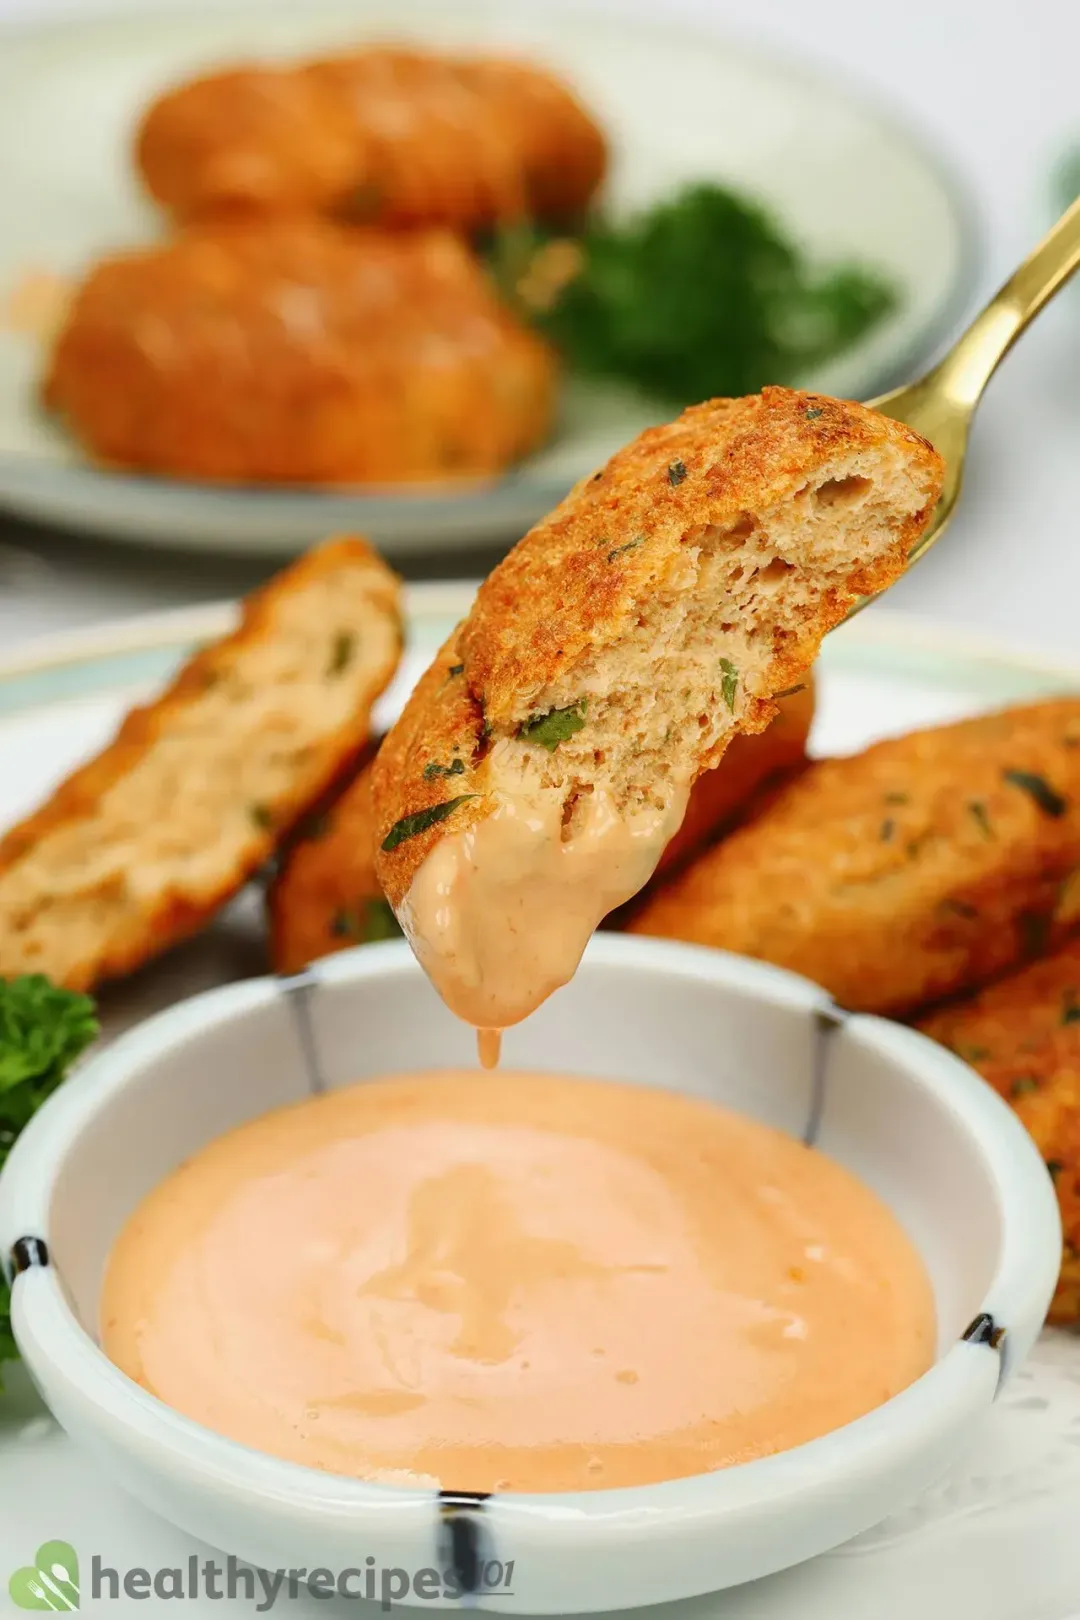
pixel 941 405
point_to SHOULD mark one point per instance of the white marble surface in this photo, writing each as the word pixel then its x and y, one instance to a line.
pixel 994 87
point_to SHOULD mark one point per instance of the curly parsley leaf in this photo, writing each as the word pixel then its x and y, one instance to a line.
pixel 702 294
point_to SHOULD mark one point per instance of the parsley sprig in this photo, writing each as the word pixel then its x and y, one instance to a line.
pixel 43 1029
pixel 702 294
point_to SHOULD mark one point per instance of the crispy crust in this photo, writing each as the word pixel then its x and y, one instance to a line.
pixel 906 873
pixel 571 587
pixel 1023 1036
pixel 336 357
pixel 171 914
pixel 556 594
pixel 388 136
pixel 318 903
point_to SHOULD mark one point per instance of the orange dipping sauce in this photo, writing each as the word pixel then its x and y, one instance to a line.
pixel 525 1283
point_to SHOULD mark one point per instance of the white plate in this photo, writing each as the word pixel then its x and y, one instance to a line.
pixel 847 180
pixel 996 1539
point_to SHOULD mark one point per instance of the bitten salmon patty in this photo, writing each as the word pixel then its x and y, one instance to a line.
pixel 387 136
pixel 1023 1036
pixel 142 845
pixel 544 761
pixel 297 352
pixel 919 868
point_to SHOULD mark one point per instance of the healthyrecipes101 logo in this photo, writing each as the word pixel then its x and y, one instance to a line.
pixel 50 1582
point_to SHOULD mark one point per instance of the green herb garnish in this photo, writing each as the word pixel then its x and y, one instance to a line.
pixel 555 727
pixel 888 828
pixel 262 816
pixel 676 473
pixel 1048 799
pixel 814 411
pixel 1070 1008
pixel 456 669
pixel 789 691
pixel 373 921
pixel 421 820
pixel 379 921
pixel 973 1054
pixel 978 813
pixel 43 1029
pixel 1023 1086
pixel 702 294
pixel 630 545
pixel 434 769
pixel 730 682
pixel 341 652
pixel 1055 1167
pixel 897 798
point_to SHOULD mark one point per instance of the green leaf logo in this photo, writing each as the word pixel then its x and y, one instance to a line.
pixel 50 1582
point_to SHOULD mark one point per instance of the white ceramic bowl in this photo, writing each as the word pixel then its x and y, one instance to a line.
pixel 914 1122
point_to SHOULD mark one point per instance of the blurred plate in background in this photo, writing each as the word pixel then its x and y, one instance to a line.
pixel 847 182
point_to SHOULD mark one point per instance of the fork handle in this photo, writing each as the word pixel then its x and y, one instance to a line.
pixel 973 359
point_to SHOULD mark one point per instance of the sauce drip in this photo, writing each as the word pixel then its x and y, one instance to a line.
pixel 499 915
pixel 489 1047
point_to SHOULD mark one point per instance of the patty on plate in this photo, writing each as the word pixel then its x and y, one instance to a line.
pixel 1023 1035
pixel 144 843
pixel 903 874
pixel 294 351
pixel 384 135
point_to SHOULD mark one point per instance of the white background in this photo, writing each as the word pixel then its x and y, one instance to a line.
pixel 996 85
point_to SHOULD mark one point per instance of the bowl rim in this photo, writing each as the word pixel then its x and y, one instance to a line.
pixel 57 1348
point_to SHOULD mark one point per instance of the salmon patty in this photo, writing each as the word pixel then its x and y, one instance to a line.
pixel 381 136
pixel 1023 1036
pixel 297 352
pixel 144 844
pixel 545 760
pixel 923 866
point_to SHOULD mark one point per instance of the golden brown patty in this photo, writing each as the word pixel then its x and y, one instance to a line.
pixel 909 872
pixel 659 609
pixel 1023 1035
pixel 148 840
pixel 326 896
pixel 295 351
pixel 383 136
